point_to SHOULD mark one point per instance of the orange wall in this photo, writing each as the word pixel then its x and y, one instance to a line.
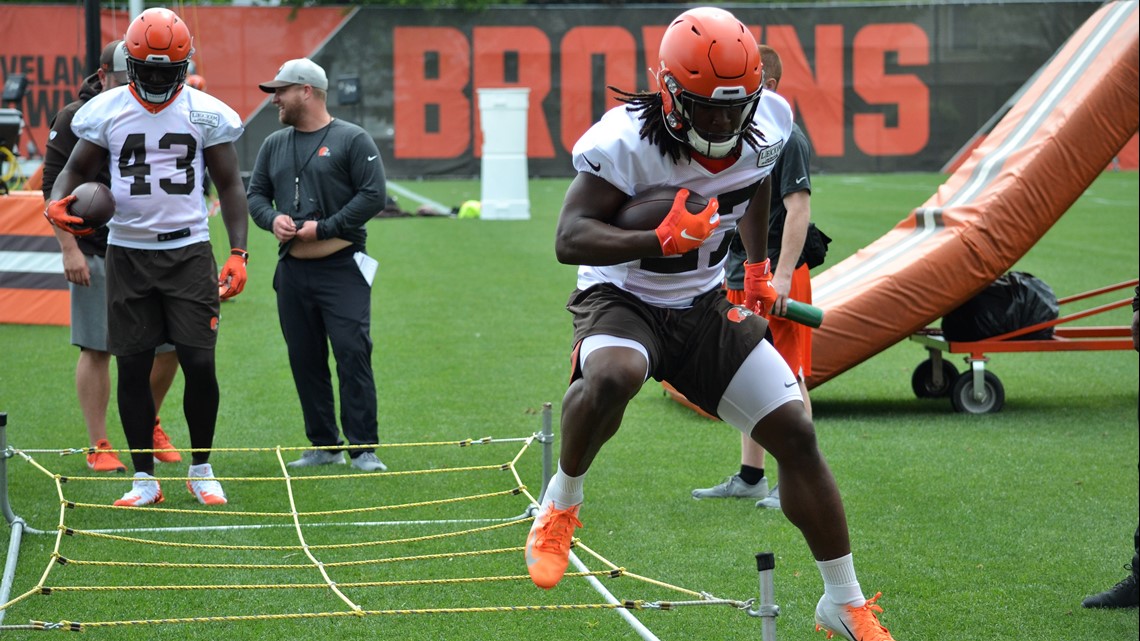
pixel 235 49
pixel 875 88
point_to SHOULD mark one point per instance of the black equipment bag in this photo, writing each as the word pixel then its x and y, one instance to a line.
pixel 815 247
pixel 1013 301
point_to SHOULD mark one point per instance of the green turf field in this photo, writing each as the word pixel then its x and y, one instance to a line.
pixel 982 528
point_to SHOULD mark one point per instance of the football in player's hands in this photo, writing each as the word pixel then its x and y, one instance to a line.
pixel 646 210
pixel 94 204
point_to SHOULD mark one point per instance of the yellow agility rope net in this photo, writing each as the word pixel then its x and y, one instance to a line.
pixel 302 536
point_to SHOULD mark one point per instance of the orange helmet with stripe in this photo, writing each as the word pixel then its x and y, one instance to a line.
pixel 709 79
pixel 159 46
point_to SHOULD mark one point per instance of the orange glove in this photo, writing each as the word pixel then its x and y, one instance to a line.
pixel 682 231
pixel 58 213
pixel 232 279
pixel 759 295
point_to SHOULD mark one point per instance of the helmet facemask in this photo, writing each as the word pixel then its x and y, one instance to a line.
pixel 711 126
pixel 155 80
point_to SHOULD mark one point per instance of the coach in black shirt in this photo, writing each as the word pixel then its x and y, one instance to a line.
pixel 315 184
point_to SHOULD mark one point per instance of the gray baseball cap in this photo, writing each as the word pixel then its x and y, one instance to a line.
pixel 300 71
pixel 114 57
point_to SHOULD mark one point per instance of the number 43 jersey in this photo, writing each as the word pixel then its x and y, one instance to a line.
pixel 157 163
pixel 613 150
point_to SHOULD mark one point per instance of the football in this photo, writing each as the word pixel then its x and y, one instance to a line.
pixel 93 203
pixel 646 210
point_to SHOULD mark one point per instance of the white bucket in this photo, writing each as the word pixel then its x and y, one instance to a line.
pixel 503 115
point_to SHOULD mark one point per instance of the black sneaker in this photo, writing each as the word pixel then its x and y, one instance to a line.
pixel 1121 595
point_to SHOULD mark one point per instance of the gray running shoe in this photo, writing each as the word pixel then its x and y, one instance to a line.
pixel 368 462
pixel 733 487
pixel 313 458
pixel 771 501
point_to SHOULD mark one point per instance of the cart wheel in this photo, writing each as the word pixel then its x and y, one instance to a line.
pixel 962 396
pixel 922 382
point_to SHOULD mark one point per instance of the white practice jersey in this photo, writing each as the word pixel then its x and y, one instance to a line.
pixel 157 163
pixel 613 150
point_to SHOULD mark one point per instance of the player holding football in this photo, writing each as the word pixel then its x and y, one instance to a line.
pixel 649 303
pixel 83 266
pixel 162 281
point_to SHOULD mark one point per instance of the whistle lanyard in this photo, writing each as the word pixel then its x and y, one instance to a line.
pixel 301 169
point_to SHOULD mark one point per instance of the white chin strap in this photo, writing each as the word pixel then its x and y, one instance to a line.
pixel 154 98
pixel 711 149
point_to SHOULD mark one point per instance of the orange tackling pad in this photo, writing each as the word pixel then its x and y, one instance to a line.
pixel 1081 110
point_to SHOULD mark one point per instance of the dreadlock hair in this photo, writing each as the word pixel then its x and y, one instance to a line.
pixel 647 104
pixel 649 107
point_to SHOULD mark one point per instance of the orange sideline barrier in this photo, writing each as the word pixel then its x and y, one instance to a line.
pixel 233 59
pixel 996 206
pixel 33 290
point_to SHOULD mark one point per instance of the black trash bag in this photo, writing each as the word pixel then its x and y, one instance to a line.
pixel 1013 301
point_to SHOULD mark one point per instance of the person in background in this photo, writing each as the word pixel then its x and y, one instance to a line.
pixel 650 303
pixel 84 268
pixel 196 81
pixel 788 225
pixel 1126 593
pixel 315 184
pixel 163 283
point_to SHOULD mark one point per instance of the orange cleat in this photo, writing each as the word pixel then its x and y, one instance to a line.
pixel 849 622
pixel 162 442
pixel 103 460
pixel 548 544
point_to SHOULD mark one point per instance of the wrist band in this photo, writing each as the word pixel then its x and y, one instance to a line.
pixel 240 252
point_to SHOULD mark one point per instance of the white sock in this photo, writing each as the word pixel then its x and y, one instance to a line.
pixel 201 470
pixel 564 491
pixel 839 582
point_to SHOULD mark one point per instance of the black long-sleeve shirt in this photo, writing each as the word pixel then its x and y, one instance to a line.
pixel 333 175
pixel 61 141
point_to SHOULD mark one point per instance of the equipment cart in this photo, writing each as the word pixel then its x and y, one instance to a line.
pixel 977 391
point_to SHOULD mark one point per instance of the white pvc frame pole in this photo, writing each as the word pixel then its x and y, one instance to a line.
pixel 547 440
pixel 637 626
pixel 766 609
pixel 14 521
pixel 10 563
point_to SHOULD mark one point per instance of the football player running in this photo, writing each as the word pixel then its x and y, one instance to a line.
pixel 649 303
pixel 162 281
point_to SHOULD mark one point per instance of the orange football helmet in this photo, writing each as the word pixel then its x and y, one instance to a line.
pixel 196 81
pixel 159 46
pixel 710 80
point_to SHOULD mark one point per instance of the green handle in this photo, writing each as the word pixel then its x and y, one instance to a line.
pixel 804 314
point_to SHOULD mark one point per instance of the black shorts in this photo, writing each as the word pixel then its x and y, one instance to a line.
pixel 697 349
pixel 161 296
